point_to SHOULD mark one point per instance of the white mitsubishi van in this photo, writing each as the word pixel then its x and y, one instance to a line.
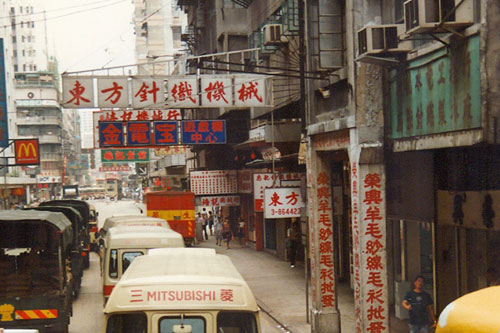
pixel 179 291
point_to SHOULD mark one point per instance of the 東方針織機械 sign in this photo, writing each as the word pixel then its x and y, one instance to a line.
pixel 187 91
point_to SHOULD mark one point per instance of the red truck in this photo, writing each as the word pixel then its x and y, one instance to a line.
pixel 175 207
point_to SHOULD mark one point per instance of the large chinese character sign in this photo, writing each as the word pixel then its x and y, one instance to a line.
pixel 282 203
pixel 204 132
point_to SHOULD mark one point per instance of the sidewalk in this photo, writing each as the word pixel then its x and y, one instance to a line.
pixel 280 290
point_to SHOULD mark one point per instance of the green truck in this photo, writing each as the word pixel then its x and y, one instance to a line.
pixel 35 269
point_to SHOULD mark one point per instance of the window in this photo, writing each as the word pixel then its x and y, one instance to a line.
pixel 22 24
pixel 167 324
pixel 127 259
pixel 14 39
pixel 113 264
pixel 236 322
pixel 23 39
pixel 32 24
pixel 24 53
pixel 127 323
pixel 15 68
pixel 398 11
pixel 20 9
pixel 24 67
pixel 12 10
pixel 34 67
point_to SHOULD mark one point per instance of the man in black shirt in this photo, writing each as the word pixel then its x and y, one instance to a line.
pixel 420 305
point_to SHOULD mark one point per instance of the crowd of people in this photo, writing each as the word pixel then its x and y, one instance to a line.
pixel 209 223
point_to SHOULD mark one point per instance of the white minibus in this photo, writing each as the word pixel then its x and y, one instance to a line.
pixel 124 244
pixel 179 291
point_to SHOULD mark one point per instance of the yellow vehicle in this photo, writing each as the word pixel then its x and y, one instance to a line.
pixel 183 290
pixel 477 312
pixel 124 244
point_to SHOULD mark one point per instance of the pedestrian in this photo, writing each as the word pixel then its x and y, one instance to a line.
pixel 211 223
pixel 204 215
pixel 199 228
pixel 292 242
pixel 492 277
pixel 226 233
pixel 419 304
pixel 241 231
pixel 218 231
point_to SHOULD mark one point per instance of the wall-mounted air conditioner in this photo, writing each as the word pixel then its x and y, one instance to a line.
pixel 272 34
pixel 382 39
pixel 424 16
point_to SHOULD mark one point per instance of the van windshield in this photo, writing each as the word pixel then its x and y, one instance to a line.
pixel 128 257
pixel 236 322
pixel 127 323
pixel 196 324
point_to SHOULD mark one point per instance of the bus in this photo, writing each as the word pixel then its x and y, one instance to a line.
pixel 87 193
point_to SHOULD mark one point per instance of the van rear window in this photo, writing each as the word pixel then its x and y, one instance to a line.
pixel 168 324
pixel 128 257
pixel 236 322
pixel 113 264
pixel 127 323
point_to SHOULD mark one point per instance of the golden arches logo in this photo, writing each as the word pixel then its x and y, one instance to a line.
pixel 26 148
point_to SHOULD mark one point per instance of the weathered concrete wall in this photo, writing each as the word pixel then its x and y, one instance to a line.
pixel 491 69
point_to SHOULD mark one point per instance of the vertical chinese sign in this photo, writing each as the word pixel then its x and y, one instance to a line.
pixel 325 242
pixel 373 258
pixel 4 128
pixel 356 245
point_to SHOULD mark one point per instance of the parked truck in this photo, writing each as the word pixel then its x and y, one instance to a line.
pixel 175 207
pixel 84 209
pixel 35 283
pixel 70 191
pixel 78 254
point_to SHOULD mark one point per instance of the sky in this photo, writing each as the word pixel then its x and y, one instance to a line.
pixel 90 34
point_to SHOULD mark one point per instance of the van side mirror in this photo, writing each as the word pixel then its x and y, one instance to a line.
pixel 182 329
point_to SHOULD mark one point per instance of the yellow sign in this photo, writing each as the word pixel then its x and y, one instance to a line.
pixel 6 311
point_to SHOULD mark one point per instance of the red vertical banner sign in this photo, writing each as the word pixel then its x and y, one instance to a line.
pixel 355 244
pixel 372 242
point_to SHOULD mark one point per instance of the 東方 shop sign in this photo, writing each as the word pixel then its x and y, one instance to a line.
pixel 124 155
pixel 282 203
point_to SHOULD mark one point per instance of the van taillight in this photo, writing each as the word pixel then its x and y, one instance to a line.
pixel 93 229
pixel 106 290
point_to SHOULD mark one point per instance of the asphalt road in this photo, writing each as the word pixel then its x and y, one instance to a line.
pixel 88 308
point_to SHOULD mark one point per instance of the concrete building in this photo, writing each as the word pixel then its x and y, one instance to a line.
pixel 401 127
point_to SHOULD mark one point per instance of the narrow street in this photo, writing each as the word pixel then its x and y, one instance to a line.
pixel 87 309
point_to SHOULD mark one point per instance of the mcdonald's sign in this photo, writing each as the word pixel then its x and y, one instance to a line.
pixel 27 152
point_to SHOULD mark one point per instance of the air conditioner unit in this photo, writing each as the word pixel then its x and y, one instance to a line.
pixel 272 34
pixel 382 39
pixel 424 16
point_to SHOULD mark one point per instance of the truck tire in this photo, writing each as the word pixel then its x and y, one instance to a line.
pixel 86 261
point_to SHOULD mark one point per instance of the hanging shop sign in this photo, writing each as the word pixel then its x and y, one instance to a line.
pixel 282 203
pixel 187 91
pixel 214 182
pixel 203 132
pixel 160 133
pixel 48 179
pixel 27 152
pixel 114 168
pixel 220 201
pixel 261 181
pixel 125 116
pixel 124 155
pixel 169 150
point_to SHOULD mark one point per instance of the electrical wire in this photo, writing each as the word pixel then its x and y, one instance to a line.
pixel 53 10
pixel 67 14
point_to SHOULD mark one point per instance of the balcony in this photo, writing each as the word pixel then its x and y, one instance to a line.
pixel 284 131
pixel 47 139
pixel 39 120
pixel 37 103
pixel 50 157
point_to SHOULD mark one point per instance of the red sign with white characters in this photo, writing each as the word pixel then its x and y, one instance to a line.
pixel 282 203
pixel 220 201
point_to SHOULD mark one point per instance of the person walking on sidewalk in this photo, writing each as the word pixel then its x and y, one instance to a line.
pixel 204 215
pixel 241 231
pixel 293 236
pixel 420 305
pixel 198 228
pixel 226 233
pixel 211 223
pixel 218 231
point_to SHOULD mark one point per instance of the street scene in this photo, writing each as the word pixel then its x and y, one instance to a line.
pixel 246 166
